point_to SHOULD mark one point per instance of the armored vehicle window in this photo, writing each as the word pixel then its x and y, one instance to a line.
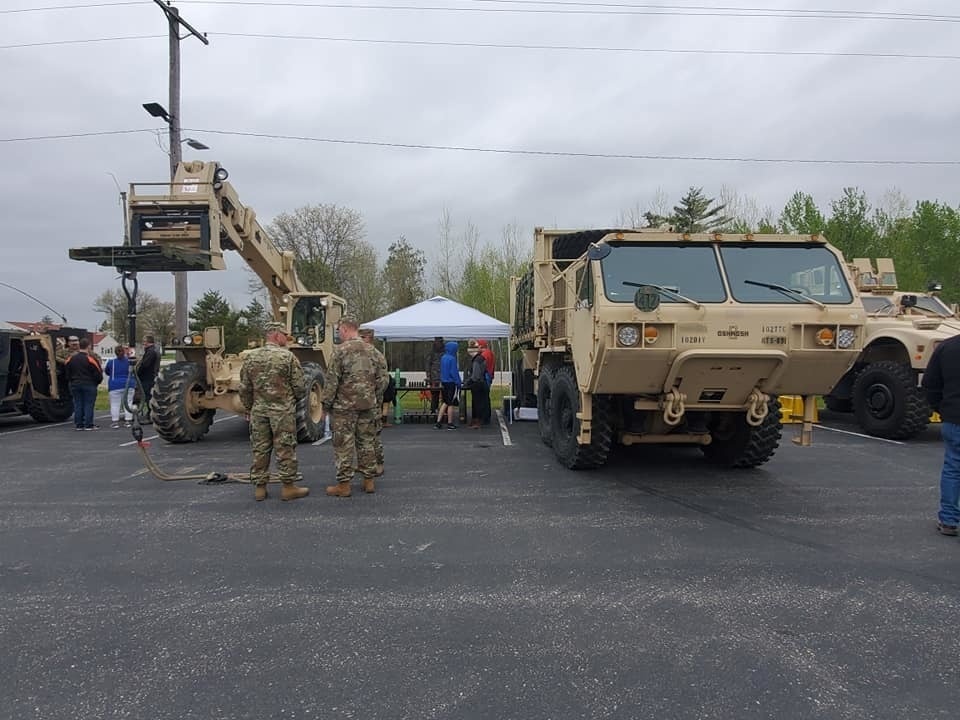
pixel 875 304
pixel 807 270
pixel 307 314
pixel 932 304
pixel 690 270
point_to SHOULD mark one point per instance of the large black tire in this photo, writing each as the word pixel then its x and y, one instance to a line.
pixel 176 417
pixel 838 405
pixel 887 402
pixel 545 403
pixel 309 427
pixel 48 411
pixel 572 246
pixel 736 444
pixel 566 426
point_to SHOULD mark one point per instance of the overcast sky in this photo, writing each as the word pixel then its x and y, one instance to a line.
pixel 59 193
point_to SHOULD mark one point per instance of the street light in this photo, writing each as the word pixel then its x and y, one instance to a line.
pixel 157 110
pixel 195 144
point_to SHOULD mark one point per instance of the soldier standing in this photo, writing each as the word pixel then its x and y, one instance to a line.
pixel 366 334
pixel 356 379
pixel 271 384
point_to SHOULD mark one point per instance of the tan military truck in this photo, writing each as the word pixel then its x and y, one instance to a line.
pixel 882 389
pixel 32 381
pixel 646 336
pixel 186 225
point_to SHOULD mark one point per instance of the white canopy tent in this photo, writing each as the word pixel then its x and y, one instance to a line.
pixel 438 317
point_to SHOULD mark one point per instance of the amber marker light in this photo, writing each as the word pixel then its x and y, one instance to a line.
pixel 650 334
pixel 825 337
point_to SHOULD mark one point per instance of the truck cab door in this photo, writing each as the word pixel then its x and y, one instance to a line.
pixel 41 366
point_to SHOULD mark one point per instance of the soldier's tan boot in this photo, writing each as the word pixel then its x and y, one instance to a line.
pixel 260 493
pixel 292 492
pixel 341 489
pixel 368 485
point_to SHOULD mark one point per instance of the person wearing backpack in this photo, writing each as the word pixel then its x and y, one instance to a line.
pixel 477 383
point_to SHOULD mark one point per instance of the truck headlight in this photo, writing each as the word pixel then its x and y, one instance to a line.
pixel 846 338
pixel 628 335
pixel 187 340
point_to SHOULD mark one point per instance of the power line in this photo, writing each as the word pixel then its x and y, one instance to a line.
pixel 84 41
pixel 44 8
pixel 561 153
pixel 512 46
pixel 591 48
pixel 504 151
pixel 69 136
pixel 624 9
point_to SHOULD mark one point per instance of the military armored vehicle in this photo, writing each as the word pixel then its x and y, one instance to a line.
pixel 186 225
pixel 32 381
pixel 647 336
pixel 902 329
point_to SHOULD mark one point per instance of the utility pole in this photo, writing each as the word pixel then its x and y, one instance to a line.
pixel 175 22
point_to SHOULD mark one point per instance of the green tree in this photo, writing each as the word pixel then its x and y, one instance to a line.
pixel 212 310
pixel 697 213
pixel 256 317
pixel 800 215
pixel 850 226
pixel 935 237
pixel 113 304
pixel 403 275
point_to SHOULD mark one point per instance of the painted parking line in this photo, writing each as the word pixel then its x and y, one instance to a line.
pixel 154 437
pixel 859 435
pixel 44 426
pixel 504 431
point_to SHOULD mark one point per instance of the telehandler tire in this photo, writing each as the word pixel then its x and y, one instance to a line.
pixel 566 426
pixel 48 411
pixel 177 418
pixel 736 444
pixel 309 427
pixel 887 402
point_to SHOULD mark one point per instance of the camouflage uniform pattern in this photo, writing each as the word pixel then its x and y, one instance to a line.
pixel 271 384
pixel 378 442
pixel 353 391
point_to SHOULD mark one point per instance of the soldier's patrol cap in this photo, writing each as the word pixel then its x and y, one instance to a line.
pixel 72 338
pixel 366 332
pixel 349 320
pixel 274 327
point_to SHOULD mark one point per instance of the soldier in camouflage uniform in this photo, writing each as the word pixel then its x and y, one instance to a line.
pixel 366 334
pixel 356 378
pixel 271 383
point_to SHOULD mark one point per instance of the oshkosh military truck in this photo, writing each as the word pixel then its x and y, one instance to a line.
pixel 643 336
pixel 882 389
pixel 186 225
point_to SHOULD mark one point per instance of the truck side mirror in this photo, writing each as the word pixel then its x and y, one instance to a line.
pixel 598 251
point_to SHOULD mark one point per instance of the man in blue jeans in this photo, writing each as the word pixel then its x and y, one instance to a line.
pixel 84 375
pixel 941 381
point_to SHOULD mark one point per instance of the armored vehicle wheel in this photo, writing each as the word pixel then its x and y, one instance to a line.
pixel 177 415
pixel 566 426
pixel 309 427
pixel 839 405
pixel 736 444
pixel 47 411
pixel 887 402
pixel 545 403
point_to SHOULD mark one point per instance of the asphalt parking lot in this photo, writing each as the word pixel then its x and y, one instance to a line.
pixel 482 580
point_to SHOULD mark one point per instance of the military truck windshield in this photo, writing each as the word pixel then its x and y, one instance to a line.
pixel 807 271
pixel 874 304
pixel 934 305
pixel 690 270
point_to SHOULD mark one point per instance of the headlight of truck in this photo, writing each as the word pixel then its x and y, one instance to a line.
pixel 628 335
pixel 846 338
pixel 187 340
